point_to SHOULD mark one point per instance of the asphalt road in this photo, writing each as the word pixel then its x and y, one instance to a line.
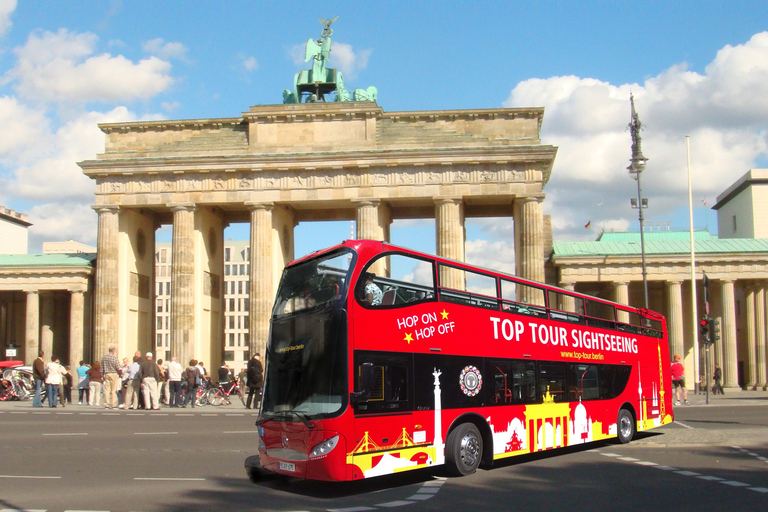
pixel 711 458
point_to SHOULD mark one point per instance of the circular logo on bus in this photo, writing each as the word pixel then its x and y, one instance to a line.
pixel 470 380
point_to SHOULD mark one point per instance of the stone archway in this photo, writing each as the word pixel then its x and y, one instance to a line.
pixel 279 165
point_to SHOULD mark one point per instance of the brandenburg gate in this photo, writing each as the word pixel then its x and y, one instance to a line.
pixel 278 165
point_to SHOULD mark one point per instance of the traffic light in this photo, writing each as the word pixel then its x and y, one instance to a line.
pixel 715 329
pixel 704 326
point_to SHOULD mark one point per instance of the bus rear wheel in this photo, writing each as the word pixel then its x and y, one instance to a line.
pixel 463 450
pixel 625 426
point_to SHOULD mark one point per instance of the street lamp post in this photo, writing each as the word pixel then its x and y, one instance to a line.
pixel 636 168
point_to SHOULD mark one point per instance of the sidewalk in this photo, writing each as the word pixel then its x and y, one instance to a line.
pixel 26 406
pixel 731 397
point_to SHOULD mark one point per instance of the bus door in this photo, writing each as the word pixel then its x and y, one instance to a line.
pixel 384 420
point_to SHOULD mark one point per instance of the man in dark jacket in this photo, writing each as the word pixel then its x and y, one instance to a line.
pixel 149 374
pixel 38 371
pixel 255 374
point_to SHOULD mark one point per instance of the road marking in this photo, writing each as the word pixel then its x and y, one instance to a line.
pixel 154 433
pixel 683 425
pixel 239 432
pixel 32 477
pixel 610 454
pixel 758 489
pixel 234 414
pixel 646 463
pixel 351 509
pixel 733 483
pixel 393 504
pixel 22 510
pixel 688 473
pixel 67 434
pixel 710 478
pixel 171 479
pixel 628 459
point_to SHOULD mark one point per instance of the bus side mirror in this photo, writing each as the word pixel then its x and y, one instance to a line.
pixel 365 384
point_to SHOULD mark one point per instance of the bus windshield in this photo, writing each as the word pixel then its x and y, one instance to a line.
pixel 306 356
pixel 313 283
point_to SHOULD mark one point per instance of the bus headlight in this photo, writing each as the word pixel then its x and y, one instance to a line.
pixel 262 446
pixel 325 447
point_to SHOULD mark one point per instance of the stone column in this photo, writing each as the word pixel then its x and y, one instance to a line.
pixel 529 238
pixel 675 320
pixel 621 295
pixel 762 377
pixel 105 321
pixel 749 298
pixel 262 294
pixel 182 282
pixel 567 303
pixel 32 327
pixel 730 354
pixel 373 220
pixel 76 317
pixel 450 234
pixel 46 324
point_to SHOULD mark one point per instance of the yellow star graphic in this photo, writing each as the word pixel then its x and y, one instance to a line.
pixel 445 314
pixel 408 338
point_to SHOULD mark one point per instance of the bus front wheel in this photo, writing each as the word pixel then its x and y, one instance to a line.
pixel 463 450
pixel 625 426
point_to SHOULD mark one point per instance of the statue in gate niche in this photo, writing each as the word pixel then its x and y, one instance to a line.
pixel 310 85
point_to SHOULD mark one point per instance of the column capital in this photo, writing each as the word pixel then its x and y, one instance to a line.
pixel 616 284
pixel 530 198
pixel 259 205
pixel 448 200
pixel 673 282
pixel 73 291
pixel 29 292
pixel 105 208
pixel 370 201
pixel 182 207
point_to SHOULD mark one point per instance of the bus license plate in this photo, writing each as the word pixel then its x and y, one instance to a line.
pixel 287 466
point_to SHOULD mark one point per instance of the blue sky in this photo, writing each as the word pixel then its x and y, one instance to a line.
pixel 696 68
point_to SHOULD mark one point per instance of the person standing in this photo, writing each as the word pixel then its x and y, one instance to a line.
pixel 38 372
pixel 133 385
pixel 193 378
pixel 174 382
pixel 149 374
pixel 95 381
pixel 678 380
pixel 255 374
pixel 718 376
pixel 110 366
pixel 162 383
pixel 82 383
pixel 65 391
pixel 52 381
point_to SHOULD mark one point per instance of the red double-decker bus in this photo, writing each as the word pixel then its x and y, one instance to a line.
pixel 381 359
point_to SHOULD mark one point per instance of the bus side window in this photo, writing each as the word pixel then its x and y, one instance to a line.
pixel 391 383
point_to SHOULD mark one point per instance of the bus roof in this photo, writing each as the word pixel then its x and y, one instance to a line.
pixel 367 245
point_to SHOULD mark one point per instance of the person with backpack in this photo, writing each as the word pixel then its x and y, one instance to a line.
pixel 193 379
pixel 255 374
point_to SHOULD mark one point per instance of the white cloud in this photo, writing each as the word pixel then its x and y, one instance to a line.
pixel 249 63
pixel 497 255
pixel 62 67
pixel 55 176
pixel 724 110
pixel 56 221
pixel 6 9
pixel 350 62
pixel 159 48
pixel 23 132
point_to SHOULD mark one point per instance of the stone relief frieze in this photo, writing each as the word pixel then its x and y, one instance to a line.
pixel 379 179
pixel 460 176
pixel 404 178
pixel 116 187
pixel 245 184
pixel 352 179
pixel 433 177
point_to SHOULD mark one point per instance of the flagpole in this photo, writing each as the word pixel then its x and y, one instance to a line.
pixel 694 312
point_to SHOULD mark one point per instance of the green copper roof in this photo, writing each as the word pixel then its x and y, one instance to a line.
pixel 658 243
pixel 46 260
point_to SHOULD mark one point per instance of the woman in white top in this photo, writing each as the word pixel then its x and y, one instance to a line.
pixel 52 380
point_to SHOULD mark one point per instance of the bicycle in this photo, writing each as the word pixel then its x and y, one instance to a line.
pixel 218 395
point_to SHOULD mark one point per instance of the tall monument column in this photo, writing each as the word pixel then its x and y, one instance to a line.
pixel 675 316
pixel 46 324
pixel 450 236
pixel 76 317
pixel 182 282
pixel 751 339
pixel 373 221
pixel 621 295
pixel 261 278
pixel 760 316
pixel 529 238
pixel 105 321
pixel 32 327
pixel 730 360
